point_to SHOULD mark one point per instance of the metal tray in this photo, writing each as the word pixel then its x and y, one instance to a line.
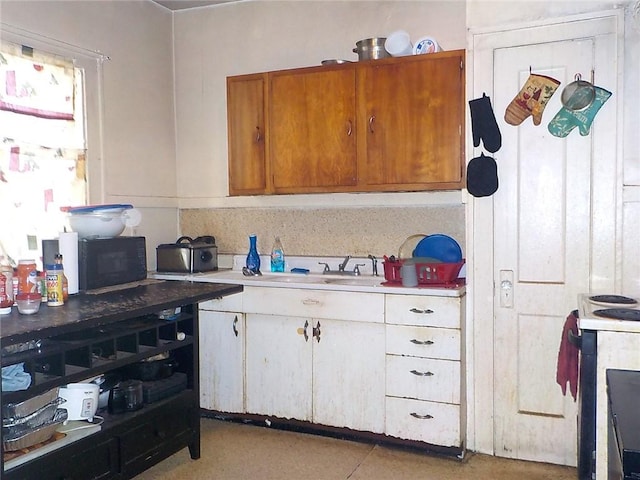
pixel 22 409
pixel 38 435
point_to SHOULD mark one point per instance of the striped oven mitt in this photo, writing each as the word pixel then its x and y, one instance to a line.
pixel 566 120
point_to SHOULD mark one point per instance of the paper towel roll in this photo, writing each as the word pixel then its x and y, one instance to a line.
pixel 426 45
pixel 68 247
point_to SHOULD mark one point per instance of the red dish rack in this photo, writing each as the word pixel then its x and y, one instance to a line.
pixel 428 273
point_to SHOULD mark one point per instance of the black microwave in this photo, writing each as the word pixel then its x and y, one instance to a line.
pixel 103 262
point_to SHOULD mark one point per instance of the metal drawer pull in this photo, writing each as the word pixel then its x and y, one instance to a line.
pixel 421 417
pixel 421 342
pixel 235 326
pixel 422 374
pixel 310 301
pixel 418 310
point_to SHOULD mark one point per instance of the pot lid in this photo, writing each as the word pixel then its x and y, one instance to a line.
pixel 96 208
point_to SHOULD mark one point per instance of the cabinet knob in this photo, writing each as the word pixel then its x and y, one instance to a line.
pixel 349 128
pixel 372 119
pixel 258 134
pixel 316 332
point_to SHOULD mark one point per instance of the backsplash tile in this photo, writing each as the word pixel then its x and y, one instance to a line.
pixel 323 231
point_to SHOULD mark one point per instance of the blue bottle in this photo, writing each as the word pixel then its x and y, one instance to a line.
pixel 253 259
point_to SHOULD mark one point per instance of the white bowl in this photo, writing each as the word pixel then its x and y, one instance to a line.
pixel 102 224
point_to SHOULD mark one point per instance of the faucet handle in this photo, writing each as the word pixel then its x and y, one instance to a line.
pixel 356 269
pixel 326 267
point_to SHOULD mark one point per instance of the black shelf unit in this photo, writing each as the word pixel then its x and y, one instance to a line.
pixel 96 334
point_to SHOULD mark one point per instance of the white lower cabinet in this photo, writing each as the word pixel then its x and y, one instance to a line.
pixel 221 348
pixel 424 388
pixel 373 362
pixel 324 365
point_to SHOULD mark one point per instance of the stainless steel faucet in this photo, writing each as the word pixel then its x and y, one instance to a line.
pixel 343 265
pixel 374 265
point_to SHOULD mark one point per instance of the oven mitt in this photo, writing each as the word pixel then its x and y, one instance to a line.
pixel 566 120
pixel 482 176
pixel 484 125
pixel 531 100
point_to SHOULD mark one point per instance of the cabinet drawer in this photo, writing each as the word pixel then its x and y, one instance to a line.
pixel 423 310
pixel 171 424
pixel 435 423
pixel 443 343
pixel 95 457
pixel 423 379
pixel 229 303
pixel 354 306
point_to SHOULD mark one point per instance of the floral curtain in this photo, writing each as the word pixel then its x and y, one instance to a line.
pixel 42 147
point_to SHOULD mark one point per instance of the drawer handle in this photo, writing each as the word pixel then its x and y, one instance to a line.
pixel 422 374
pixel 421 417
pixel 421 342
pixel 418 310
pixel 310 301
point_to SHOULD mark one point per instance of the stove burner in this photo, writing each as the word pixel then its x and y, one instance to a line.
pixel 619 313
pixel 613 299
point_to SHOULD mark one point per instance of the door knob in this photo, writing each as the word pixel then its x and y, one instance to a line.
pixel 506 288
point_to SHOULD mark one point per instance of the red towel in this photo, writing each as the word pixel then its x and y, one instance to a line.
pixel 567 370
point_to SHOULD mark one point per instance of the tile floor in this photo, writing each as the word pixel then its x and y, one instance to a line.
pixel 234 451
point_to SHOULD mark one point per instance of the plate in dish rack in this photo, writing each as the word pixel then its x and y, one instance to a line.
pixel 613 300
pixel 619 313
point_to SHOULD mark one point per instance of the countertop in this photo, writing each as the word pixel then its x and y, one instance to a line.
pixel 314 281
pixel 108 305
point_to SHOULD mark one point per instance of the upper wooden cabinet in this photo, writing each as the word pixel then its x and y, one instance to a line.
pixel 312 115
pixel 246 131
pixel 386 125
pixel 410 123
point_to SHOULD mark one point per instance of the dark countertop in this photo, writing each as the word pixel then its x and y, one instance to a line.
pixel 86 310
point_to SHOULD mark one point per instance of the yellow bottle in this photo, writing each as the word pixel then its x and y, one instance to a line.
pixel 65 282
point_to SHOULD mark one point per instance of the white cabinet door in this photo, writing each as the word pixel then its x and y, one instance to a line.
pixel 278 366
pixel 348 375
pixel 221 361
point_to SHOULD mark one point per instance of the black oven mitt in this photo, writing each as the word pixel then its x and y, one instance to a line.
pixel 484 125
pixel 482 176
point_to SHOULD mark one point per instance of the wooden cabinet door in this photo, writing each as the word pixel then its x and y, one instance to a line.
pixel 312 129
pixel 221 361
pixel 411 123
pixel 246 134
pixel 278 366
pixel 349 380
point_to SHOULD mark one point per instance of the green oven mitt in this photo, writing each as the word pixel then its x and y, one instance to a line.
pixel 566 120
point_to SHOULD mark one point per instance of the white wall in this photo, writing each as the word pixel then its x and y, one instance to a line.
pixel 215 42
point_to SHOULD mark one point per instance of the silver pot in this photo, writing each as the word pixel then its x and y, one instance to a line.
pixel 371 49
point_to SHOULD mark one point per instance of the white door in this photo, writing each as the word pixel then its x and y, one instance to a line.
pixel 547 235
pixel 222 361
pixel 278 366
pixel 349 375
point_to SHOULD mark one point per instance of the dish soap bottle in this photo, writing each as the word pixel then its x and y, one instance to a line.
pixel 277 256
pixel 253 259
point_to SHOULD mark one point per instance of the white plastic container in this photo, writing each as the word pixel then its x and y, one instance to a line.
pixel 398 44
pixel 426 45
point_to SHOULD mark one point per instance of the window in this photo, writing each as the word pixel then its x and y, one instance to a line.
pixel 43 140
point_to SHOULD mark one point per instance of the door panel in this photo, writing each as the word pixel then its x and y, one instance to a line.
pixel 542 224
